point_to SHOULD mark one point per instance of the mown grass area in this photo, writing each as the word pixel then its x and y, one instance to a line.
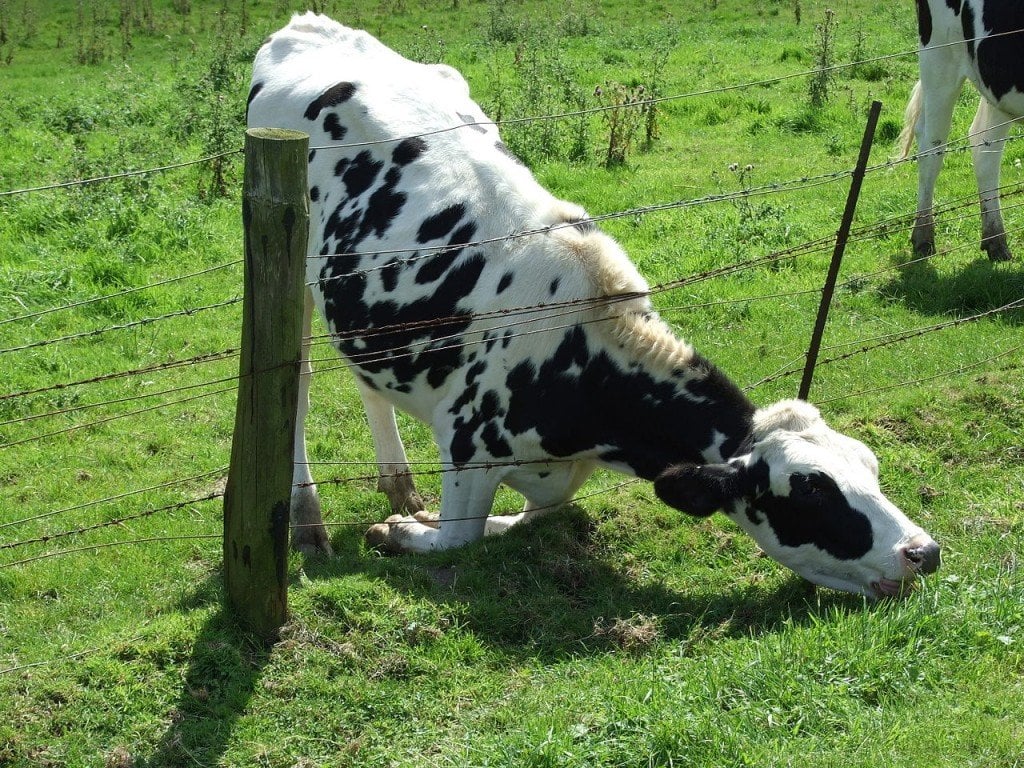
pixel 615 633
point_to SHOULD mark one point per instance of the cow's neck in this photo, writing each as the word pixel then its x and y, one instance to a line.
pixel 692 413
pixel 633 396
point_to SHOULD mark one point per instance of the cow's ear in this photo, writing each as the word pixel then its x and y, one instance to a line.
pixel 698 489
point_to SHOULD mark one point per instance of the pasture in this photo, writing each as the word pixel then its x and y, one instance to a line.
pixel 617 632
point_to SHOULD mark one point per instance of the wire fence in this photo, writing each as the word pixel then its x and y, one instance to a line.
pixel 514 320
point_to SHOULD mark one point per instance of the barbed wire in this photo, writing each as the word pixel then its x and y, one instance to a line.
pixel 220 494
pixel 67 657
pixel 188 312
pixel 111 499
pixel 115 417
pixel 107 545
pixel 431 344
pixel 116 401
pixel 642 103
pixel 121 175
pixel 109 523
pixel 119 294
pixel 890 339
pixel 207 357
pixel 959 371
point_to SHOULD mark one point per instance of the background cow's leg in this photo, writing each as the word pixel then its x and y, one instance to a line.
pixel 395 480
pixel 940 86
pixel 990 128
pixel 308 533
pixel 555 493
pixel 466 499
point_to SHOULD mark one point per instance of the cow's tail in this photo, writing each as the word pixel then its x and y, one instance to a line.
pixel 910 118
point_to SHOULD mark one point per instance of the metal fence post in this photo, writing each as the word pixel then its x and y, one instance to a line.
pixel 842 236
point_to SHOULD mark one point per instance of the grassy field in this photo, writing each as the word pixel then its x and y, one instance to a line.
pixel 618 632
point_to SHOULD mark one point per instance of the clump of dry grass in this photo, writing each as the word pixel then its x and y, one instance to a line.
pixel 635 634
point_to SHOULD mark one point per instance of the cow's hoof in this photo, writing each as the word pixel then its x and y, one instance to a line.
pixel 381 536
pixel 312 541
pixel 998 252
pixel 924 249
pixel 429 519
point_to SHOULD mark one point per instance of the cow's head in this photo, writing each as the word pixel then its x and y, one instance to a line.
pixel 810 498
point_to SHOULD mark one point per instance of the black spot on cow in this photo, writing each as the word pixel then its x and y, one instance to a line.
pixel 360 174
pixel 384 205
pixel 344 229
pixel 474 371
pixel 314 193
pixel 967 20
pixel 333 126
pixel 924 22
pixel 815 512
pixel 406 340
pixel 256 88
pixel 581 408
pixel 435 266
pixel 484 421
pixel 389 274
pixel 440 224
pixel 408 150
pixel 332 97
pixel 553 287
pixel 504 282
pixel 312 154
pixel 472 122
pixel 999 58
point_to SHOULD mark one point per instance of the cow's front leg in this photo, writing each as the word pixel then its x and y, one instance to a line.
pixel 466 499
pixel 309 535
pixel 394 480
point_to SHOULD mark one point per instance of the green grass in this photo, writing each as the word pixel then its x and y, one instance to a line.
pixel 615 633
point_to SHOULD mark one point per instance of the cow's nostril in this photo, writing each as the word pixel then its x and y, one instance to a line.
pixel 924 558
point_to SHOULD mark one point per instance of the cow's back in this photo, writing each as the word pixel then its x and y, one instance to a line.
pixel 413 200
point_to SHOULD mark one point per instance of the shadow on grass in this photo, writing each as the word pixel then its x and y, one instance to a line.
pixel 219 681
pixel 977 288
pixel 545 590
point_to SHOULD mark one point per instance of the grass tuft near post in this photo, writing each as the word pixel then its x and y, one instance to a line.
pixel 275 211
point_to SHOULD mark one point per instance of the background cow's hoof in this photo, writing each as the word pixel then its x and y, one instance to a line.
pixel 997 251
pixel 311 541
pixel 924 249
pixel 381 536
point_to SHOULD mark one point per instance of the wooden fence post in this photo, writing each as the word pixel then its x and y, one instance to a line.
pixel 275 212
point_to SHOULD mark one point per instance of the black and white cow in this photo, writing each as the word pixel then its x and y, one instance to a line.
pixel 983 41
pixel 534 358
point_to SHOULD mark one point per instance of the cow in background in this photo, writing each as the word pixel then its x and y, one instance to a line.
pixel 980 40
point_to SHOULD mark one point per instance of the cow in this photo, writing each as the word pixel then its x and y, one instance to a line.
pixel 979 40
pixel 462 292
